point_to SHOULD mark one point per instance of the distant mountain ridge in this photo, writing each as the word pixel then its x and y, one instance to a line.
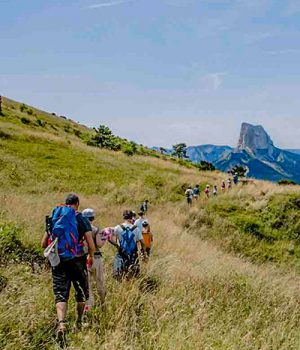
pixel 256 151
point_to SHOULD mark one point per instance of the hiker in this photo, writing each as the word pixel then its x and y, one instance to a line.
pixel 235 178
pixel 196 192
pixel 133 217
pixel 145 206
pixel 140 220
pixel 70 229
pixel 96 270
pixel 215 191
pixel 147 237
pixel 127 237
pixel 223 186
pixel 207 191
pixel 189 195
pixel 229 184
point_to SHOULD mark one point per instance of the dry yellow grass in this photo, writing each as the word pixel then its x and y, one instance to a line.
pixel 202 297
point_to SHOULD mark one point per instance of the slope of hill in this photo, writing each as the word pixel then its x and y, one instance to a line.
pixel 223 275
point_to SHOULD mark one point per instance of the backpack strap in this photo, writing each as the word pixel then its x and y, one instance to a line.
pixel 133 228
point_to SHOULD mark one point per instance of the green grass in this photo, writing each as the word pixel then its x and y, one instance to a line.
pixel 224 273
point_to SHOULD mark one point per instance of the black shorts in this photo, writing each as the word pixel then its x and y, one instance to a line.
pixel 67 273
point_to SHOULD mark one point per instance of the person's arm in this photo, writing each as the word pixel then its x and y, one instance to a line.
pixel 91 245
pixel 44 242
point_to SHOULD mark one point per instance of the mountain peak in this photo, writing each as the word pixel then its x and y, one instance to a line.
pixel 253 138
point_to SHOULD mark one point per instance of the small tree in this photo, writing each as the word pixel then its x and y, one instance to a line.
pixel 179 151
pixel 162 150
pixel 128 149
pixel 239 170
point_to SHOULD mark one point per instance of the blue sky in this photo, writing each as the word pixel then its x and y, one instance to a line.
pixel 158 71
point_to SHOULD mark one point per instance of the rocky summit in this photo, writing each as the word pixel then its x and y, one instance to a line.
pixel 253 138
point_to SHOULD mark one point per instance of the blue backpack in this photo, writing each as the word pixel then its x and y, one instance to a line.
pixel 64 227
pixel 127 242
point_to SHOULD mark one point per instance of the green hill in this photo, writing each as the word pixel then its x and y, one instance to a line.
pixel 224 274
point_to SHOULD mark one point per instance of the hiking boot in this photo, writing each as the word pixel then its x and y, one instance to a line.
pixel 61 334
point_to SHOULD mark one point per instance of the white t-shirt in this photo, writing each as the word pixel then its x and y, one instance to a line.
pixel 189 193
pixel 137 232
pixel 139 223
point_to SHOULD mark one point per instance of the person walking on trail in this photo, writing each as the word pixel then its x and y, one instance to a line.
pixel 127 237
pixel 223 186
pixel 96 270
pixel 69 229
pixel 215 191
pixel 235 178
pixel 189 195
pixel 144 206
pixel 207 191
pixel 196 192
pixel 140 220
pixel 229 184
pixel 147 237
pixel 133 217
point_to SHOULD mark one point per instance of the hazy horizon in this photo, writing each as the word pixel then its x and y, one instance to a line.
pixel 158 73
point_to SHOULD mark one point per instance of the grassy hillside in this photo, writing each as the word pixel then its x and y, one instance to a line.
pixel 224 274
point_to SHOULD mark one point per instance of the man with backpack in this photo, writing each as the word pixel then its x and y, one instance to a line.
pixel 196 192
pixel 189 193
pixel 127 237
pixel 69 229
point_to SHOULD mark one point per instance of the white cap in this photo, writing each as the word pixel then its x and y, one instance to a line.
pixel 88 213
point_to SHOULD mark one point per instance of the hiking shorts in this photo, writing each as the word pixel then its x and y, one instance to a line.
pixel 67 273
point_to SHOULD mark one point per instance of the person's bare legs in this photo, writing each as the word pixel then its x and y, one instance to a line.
pixel 61 309
pixel 100 282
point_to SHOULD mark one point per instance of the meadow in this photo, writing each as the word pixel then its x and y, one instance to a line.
pixel 224 274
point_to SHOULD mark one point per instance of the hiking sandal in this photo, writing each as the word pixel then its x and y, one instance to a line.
pixel 61 334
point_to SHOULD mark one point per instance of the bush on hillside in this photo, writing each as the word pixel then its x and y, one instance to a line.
pixel 13 250
pixel 41 123
pixel 23 107
pixel 25 120
pixel 286 182
pixel 128 150
pixel 205 166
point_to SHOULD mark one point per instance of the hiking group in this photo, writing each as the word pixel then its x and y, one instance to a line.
pixel 73 247
pixel 193 193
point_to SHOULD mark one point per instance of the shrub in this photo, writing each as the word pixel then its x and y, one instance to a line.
pixel 13 250
pixel 25 120
pixel 23 108
pixel 41 123
pixel 30 112
pixel 77 132
pixel 128 150
pixel 205 166
pixel 286 182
